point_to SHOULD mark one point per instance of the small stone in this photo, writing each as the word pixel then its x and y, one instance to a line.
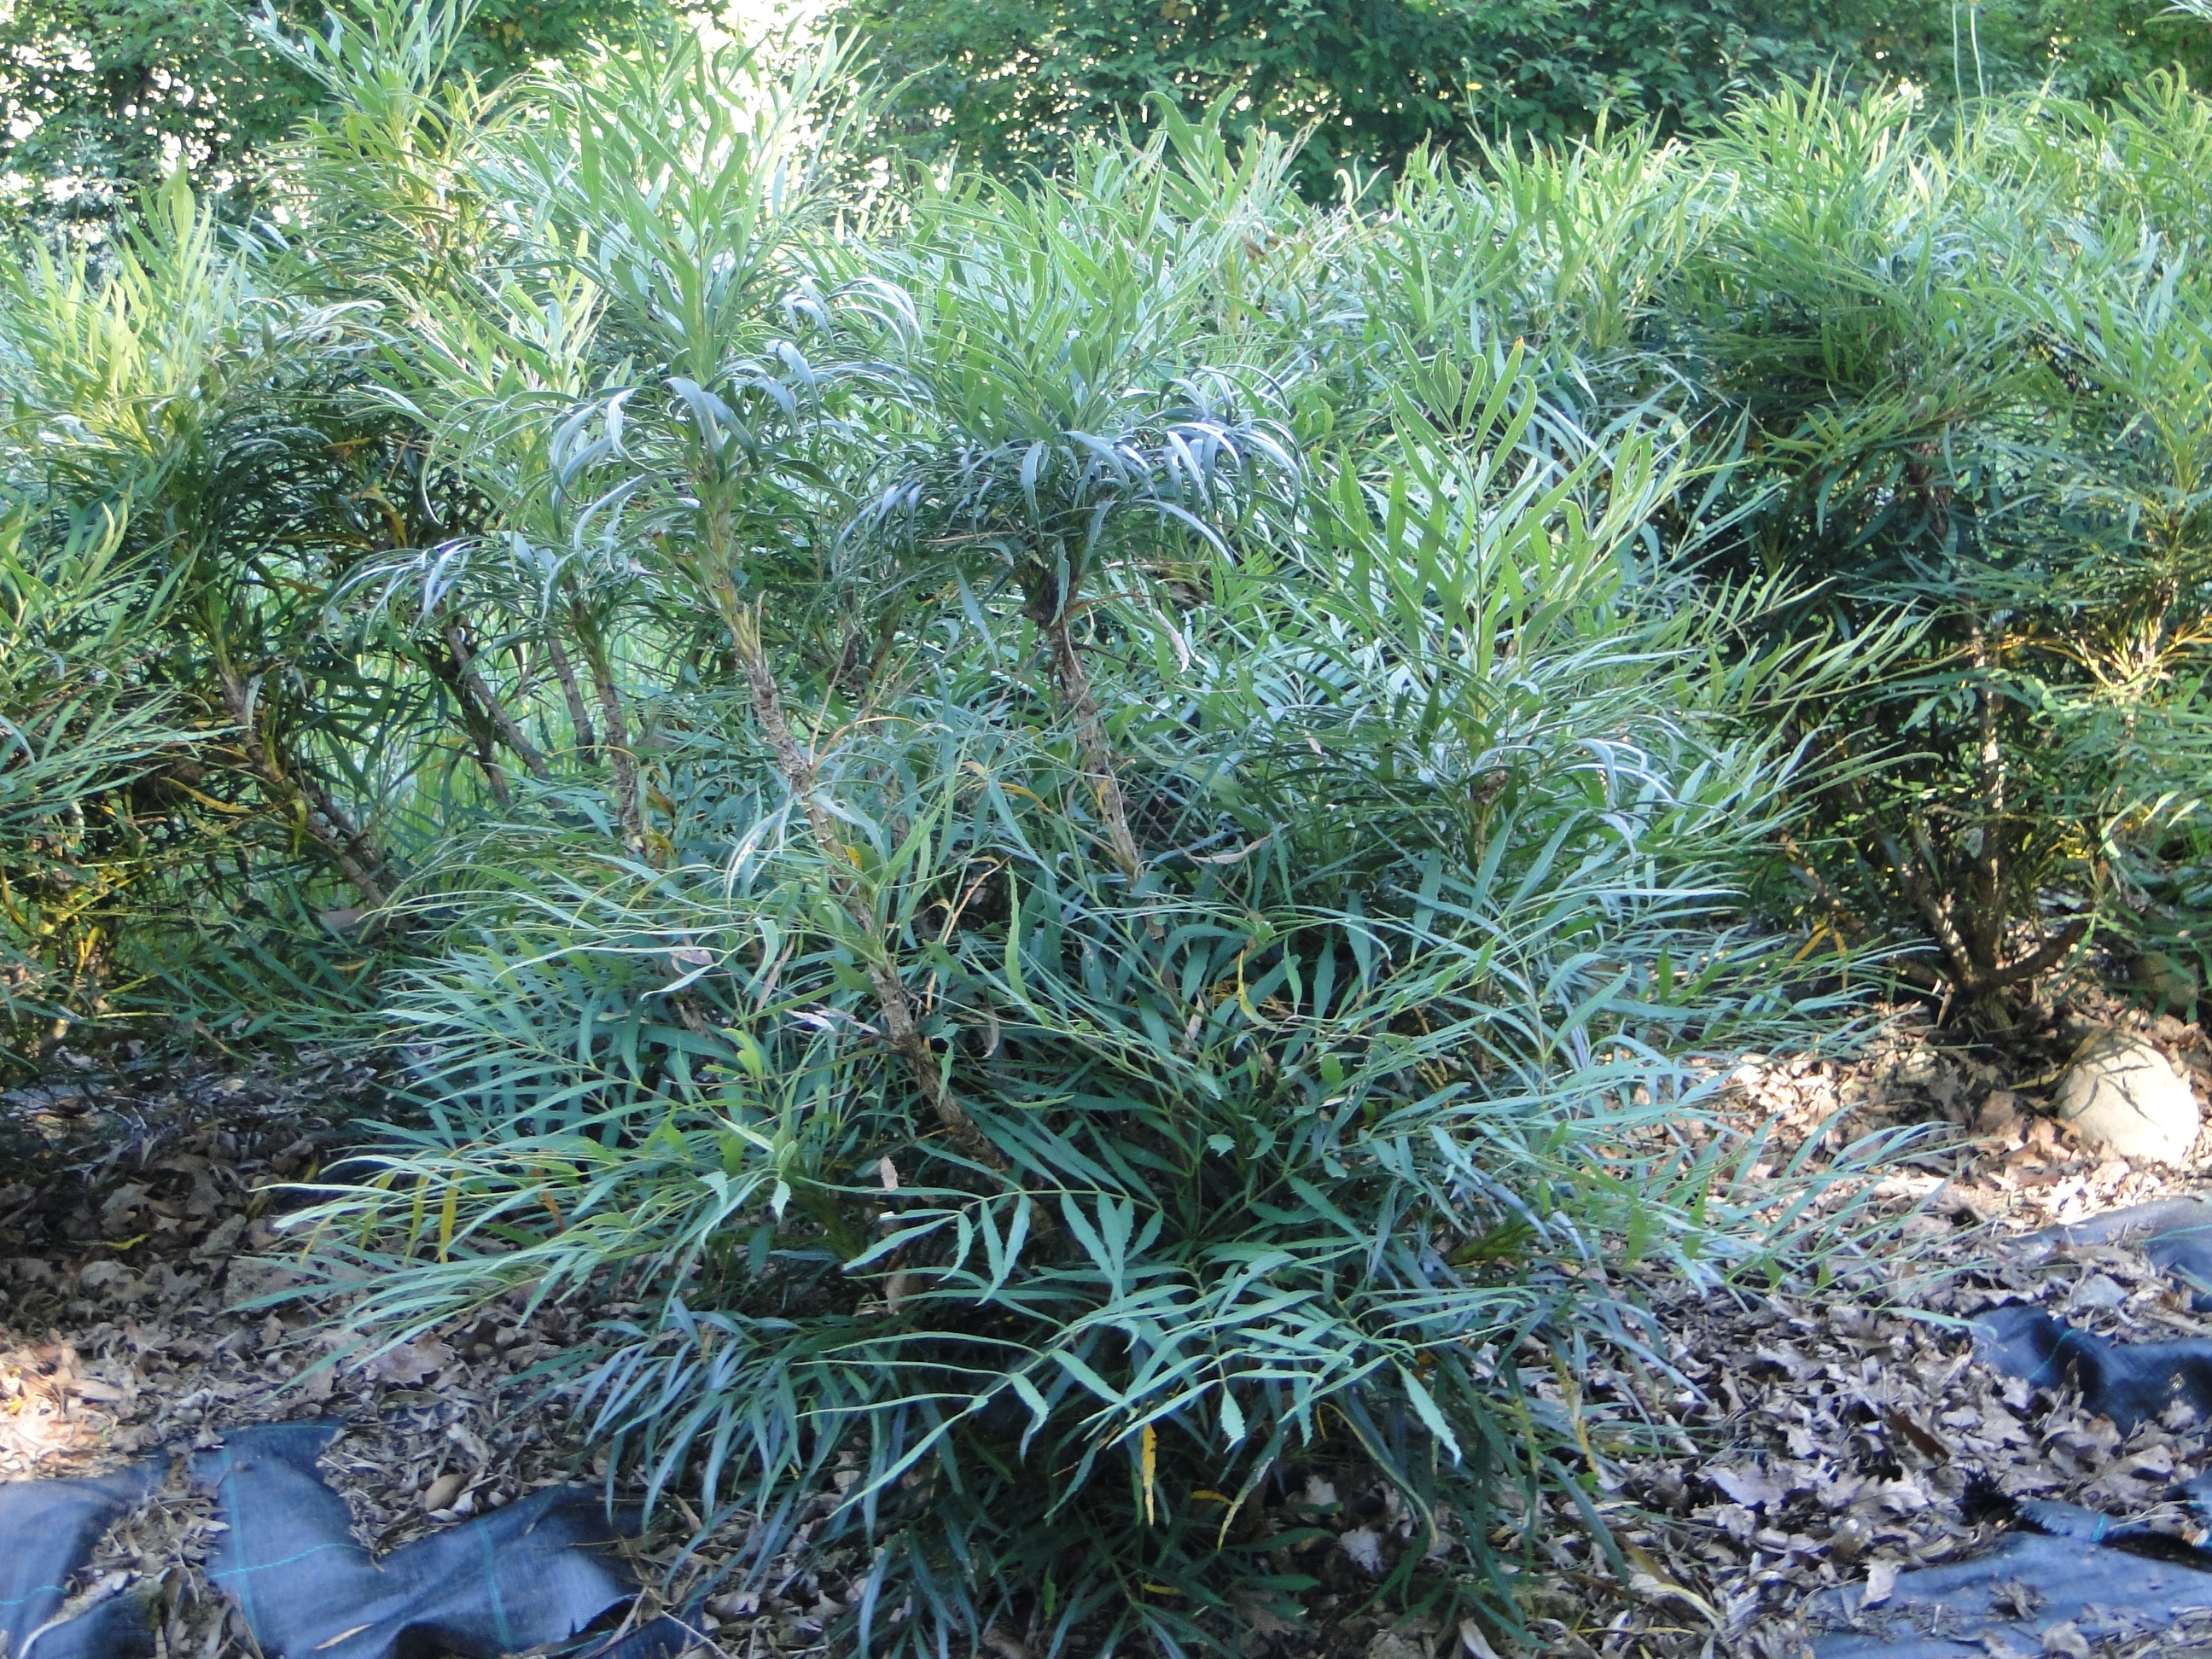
pixel 2121 1096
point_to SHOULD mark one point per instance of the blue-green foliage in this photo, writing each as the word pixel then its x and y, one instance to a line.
pixel 1056 853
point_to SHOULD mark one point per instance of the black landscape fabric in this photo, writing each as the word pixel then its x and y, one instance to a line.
pixel 539 1574
pixel 2127 1382
pixel 47 1531
pixel 535 1574
pixel 2175 1233
pixel 2007 1600
pixel 2100 1585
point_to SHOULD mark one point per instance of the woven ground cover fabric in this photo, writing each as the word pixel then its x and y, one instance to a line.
pixel 534 1574
pixel 1966 1608
pixel 2176 1233
pixel 2101 1585
pixel 47 1531
pixel 2127 1382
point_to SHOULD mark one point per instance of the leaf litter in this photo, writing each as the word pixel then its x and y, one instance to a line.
pixel 1787 1439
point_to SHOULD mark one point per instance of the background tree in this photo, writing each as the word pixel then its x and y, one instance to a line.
pixel 99 98
pixel 1008 82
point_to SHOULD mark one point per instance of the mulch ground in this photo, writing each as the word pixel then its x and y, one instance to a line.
pixel 1781 1439
pixel 1844 1434
pixel 135 1236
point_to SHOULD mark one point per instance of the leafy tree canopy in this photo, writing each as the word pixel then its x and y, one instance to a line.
pixel 99 98
pixel 1008 82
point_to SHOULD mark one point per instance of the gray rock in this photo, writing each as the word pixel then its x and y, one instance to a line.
pixel 2121 1096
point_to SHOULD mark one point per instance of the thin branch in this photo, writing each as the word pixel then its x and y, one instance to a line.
pixel 580 716
pixel 326 824
pixel 493 709
pixel 2053 951
pixel 622 760
pixel 1914 880
pixel 800 777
